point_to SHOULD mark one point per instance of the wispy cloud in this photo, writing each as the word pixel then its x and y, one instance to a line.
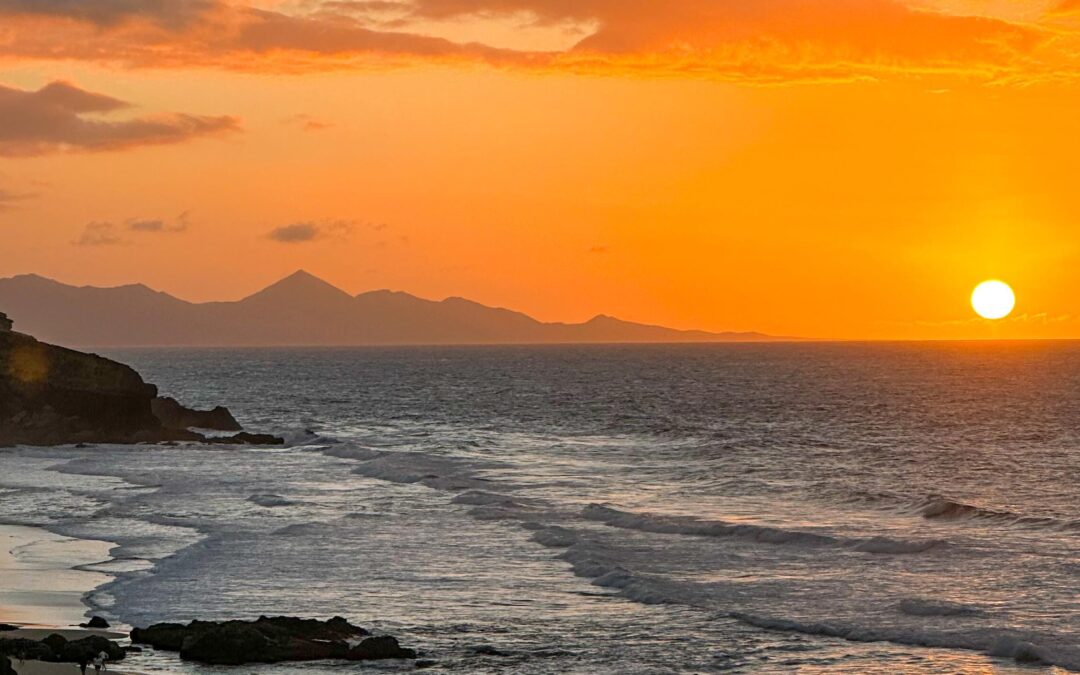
pixel 99 233
pixel 62 117
pixel 108 233
pixel 302 232
pixel 307 122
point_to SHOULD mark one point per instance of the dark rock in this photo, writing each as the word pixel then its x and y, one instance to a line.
pixel 95 622
pixel 4 627
pixel 55 396
pixel 381 647
pixel 22 648
pixel 89 647
pixel 486 650
pixel 425 663
pixel 50 395
pixel 5 666
pixel 228 644
pixel 172 415
pixel 56 642
pixel 265 640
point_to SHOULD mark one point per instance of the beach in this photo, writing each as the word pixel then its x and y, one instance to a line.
pixel 42 587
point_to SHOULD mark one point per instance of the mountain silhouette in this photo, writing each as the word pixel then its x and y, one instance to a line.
pixel 299 310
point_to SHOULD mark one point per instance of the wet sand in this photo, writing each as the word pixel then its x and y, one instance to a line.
pixel 39 585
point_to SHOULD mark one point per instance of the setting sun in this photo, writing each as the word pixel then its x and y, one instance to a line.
pixel 993 300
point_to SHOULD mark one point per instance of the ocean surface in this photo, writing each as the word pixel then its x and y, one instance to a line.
pixel 810 508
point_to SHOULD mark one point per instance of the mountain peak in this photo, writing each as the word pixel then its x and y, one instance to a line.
pixel 300 286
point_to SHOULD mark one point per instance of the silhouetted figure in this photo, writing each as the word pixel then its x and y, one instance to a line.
pixel 82 665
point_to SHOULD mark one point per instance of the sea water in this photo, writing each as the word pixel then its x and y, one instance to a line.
pixel 606 509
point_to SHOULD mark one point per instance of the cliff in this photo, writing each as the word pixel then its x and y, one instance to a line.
pixel 51 395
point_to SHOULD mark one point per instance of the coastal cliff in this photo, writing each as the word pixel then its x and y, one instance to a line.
pixel 52 395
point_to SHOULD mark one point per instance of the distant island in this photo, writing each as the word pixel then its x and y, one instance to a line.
pixel 300 310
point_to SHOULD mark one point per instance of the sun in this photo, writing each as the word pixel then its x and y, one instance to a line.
pixel 993 300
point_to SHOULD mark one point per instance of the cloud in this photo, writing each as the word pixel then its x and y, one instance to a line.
pixel 99 233
pixel 61 117
pixel 105 12
pixel 158 225
pixel 756 41
pixel 307 122
pixel 108 233
pixel 10 199
pixel 297 233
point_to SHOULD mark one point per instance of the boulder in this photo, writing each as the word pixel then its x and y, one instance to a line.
pixel 268 640
pixel 87 648
pixel 22 648
pixel 5 666
pixel 377 648
pixel 172 415
pixel 56 642
pixel 95 622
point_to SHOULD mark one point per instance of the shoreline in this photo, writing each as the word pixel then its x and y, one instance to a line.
pixel 43 580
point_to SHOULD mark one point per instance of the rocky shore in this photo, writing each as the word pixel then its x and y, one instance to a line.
pixel 52 395
pixel 226 643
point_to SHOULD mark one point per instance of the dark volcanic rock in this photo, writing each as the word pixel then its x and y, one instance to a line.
pixel 381 647
pixel 55 396
pixel 95 622
pixel 172 415
pixel 5 666
pixel 22 648
pixel 56 642
pixel 7 626
pixel 89 647
pixel 51 395
pixel 268 640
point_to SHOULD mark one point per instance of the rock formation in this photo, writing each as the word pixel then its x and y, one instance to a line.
pixel 51 395
pixel 270 640
pixel 172 415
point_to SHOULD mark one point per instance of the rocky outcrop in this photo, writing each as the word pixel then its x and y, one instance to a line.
pixel 51 395
pixel 172 415
pixel 56 648
pixel 270 640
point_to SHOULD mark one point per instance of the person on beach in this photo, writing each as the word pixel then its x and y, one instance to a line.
pixel 99 663
pixel 82 665
pixel 104 657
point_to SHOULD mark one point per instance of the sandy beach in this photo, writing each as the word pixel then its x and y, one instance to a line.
pixel 42 589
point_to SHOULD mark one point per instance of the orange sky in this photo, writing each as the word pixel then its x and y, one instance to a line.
pixel 838 168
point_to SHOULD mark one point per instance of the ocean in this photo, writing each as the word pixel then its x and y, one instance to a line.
pixel 816 508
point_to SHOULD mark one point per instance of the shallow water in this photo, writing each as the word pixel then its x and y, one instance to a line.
pixel 867 508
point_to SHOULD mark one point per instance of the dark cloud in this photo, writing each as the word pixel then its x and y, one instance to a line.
pixel 297 233
pixel 62 117
pixel 107 233
pixel 158 225
pixel 105 12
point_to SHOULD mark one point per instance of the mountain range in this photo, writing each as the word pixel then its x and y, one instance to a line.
pixel 299 310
